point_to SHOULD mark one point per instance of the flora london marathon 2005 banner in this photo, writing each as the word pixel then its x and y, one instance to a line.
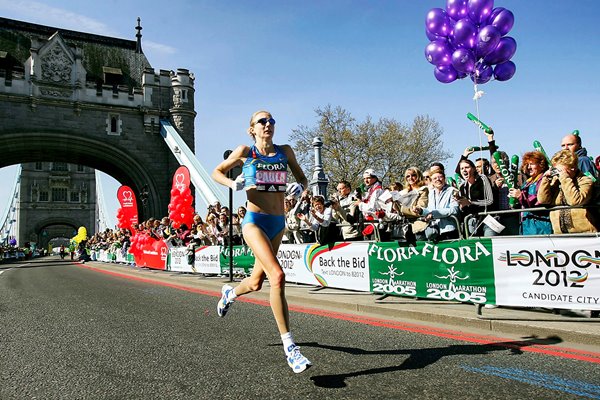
pixel 551 272
pixel 461 270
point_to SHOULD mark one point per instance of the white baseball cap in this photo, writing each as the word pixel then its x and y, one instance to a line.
pixel 369 172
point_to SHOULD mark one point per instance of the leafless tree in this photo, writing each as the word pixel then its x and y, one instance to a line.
pixel 386 145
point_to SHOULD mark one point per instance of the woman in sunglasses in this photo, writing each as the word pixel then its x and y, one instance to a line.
pixel 264 177
pixel 414 195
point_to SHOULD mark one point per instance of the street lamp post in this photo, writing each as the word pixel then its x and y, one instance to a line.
pixel 319 181
pixel 231 174
pixel 144 194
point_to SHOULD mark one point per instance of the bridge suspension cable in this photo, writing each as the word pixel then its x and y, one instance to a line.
pixel 205 186
pixel 102 213
pixel 9 218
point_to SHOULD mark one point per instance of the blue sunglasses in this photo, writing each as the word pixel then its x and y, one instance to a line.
pixel 263 121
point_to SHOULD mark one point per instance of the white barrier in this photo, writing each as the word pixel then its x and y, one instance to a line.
pixel 551 272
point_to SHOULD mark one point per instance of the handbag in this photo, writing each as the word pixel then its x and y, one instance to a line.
pixel 401 230
pixel 328 234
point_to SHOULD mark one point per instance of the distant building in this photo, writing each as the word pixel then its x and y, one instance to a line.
pixel 55 199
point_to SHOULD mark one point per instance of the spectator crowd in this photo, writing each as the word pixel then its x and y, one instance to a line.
pixel 481 198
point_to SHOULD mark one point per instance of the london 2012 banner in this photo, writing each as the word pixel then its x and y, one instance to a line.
pixel 340 265
pixel 543 272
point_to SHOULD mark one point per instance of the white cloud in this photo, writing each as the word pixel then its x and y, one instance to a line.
pixel 40 13
pixel 157 48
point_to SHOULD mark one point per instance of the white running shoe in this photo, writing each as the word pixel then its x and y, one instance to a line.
pixel 224 304
pixel 296 360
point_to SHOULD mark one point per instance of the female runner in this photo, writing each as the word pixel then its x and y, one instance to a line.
pixel 264 176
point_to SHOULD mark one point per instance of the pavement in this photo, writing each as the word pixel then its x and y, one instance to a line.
pixel 574 327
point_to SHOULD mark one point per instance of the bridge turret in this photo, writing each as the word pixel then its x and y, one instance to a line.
pixel 182 104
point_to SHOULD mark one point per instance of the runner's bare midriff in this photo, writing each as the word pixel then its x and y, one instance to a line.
pixel 265 202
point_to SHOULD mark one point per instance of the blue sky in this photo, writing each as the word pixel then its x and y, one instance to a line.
pixel 291 57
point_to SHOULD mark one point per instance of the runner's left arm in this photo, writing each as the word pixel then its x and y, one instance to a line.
pixel 294 166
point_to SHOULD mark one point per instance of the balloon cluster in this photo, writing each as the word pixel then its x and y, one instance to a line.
pixel 122 218
pixel 468 39
pixel 139 241
pixel 181 210
pixel 81 235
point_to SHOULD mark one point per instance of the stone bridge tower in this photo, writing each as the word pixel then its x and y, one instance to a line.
pixel 55 199
pixel 91 100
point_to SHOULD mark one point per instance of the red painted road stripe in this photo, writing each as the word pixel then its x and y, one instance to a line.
pixel 403 326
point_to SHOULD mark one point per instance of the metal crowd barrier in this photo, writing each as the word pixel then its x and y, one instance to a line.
pixel 377 224
pixel 467 218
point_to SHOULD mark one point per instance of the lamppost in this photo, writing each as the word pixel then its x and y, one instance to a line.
pixel 231 174
pixel 144 199
pixel 319 181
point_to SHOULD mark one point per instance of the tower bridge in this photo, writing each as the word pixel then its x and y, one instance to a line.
pixel 94 101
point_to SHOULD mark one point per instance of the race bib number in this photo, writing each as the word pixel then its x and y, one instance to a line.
pixel 271 177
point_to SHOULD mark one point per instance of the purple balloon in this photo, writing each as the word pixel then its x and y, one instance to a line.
pixel 505 71
pixel 438 23
pixel 438 53
pixel 493 14
pixel 482 73
pixel 503 21
pixel 487 40
pixel 463 60
pixel 456 9
pixel 503 52
pixel 12 242
pixel 480 10
pixel 464 34
pixel 433 37
pixel 445 73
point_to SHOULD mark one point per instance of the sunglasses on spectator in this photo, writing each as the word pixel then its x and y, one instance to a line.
pixel 263 121
pixel 409 175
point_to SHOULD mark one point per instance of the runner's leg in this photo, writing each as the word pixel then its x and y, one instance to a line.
pixel 266 263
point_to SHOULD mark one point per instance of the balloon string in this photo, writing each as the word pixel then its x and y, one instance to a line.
pixel 476 98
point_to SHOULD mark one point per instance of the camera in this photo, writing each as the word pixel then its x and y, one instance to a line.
pixel 553 172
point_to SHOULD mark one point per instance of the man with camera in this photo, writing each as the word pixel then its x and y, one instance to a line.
pixel 345 211
pixel 318 218
pixel 585 164
pixel 302 208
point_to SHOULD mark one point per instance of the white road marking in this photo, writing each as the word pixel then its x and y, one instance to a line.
pixel 18 266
